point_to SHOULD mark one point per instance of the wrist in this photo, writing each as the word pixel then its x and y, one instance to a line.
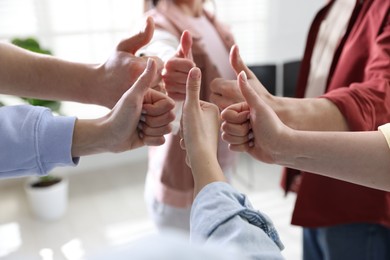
pixel 198 156
pixel 88 138
pixel 284 107
pixel 205 170
pixel 99 93
pixel 284 150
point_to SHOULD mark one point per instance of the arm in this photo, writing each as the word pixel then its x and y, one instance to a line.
pixel 24 73
pixel 366 103
pixel 221 215
pixel 33 141
pixel 38 141
pixel 337 109
pixel 237 225
pixel 318 114
pixel 200 129
pixel 357 157
pixel 123 128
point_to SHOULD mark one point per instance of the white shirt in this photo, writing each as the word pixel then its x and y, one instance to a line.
pixel 331 31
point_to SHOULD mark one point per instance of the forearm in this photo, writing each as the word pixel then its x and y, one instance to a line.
pixel 33 141
pixel 357 157
pixel 314 114
pixel 28 74
pixel 238 225
pixel 89 138
pixel 205 170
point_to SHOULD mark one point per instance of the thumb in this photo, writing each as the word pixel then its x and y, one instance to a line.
pixel 193 87
pixel 238 64
pixel 250 95
pixel 184 50
pixel 134 43
pixel 144 81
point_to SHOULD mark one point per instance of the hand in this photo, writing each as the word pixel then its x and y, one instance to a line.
pixel 253 126
pixel 157 113
pixel 121 129
pixel 226 92
pixel 176 69
pixel 200 123
pixel 123 68
pixel 200 131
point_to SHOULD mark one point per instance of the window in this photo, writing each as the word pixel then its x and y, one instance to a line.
pixel 249 20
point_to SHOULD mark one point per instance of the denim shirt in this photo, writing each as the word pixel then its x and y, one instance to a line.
pixel 224 216
pixel 33 141
pixel 224 226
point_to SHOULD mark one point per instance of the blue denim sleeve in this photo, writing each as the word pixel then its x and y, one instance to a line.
pixel 222 215
pixel 33 141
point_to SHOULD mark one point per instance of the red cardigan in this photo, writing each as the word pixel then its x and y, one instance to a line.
pixel 359 85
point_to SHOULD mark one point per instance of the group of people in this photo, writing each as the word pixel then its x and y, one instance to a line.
pixel 333 137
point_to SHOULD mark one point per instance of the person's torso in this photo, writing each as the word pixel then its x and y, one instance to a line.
pixel 211 42
pixel 324 201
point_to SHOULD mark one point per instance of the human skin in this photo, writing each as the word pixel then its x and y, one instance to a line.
pixel 200 125
pixel 176 69
pixel 122 128
pixel 316 114
pixel 174 76
pixel 253 127
pixel 35 75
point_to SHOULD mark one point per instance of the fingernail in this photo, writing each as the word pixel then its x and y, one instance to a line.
pixel 250 136
pixel 243 77
pixel 140 134
pixel 143 112
pixel 149 64
pixel 195 73
pixel 251 144
pixel 142 118
pixel 139 126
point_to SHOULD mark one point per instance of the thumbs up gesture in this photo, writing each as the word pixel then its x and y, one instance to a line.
pixel 124 128
pixel 252 126
pixel 200 123
pixel 226 92
pixel 199 131
pixel 177 68
pixel 122 69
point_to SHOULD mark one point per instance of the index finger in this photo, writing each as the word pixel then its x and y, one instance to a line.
pixel 236 113
pixel 157 103
pixel 220 85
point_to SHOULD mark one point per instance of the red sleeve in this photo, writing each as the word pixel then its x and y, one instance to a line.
pixel 366 104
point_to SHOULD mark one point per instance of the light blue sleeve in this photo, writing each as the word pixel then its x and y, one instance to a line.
pixel 222 215
pixel 33 141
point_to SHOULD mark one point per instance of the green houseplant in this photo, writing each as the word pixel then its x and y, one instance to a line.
pixel 47 195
